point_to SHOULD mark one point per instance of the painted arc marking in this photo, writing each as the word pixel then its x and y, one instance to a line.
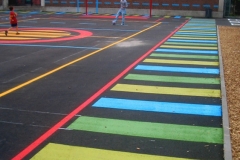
pixel 198 92
pixel 148 129
pixel 188 47
pixel 38 36
pixel 53 151
pixel 173 79
pixel 187 51
pixel 17 38
pixel 193 41
pixel 184 56
pixel 47 31
pixel 178 37
pixel 155 106
pixel 177 69
pixel 191 44
pixel 166 61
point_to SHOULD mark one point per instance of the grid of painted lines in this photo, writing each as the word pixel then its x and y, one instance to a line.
pixel 167 107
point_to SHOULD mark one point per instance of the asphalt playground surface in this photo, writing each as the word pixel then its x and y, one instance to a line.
pixel 75 87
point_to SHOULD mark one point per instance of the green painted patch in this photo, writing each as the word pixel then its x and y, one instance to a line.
pixel 149 130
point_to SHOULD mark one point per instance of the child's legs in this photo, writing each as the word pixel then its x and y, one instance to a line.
pixel 117 15
pixel 123 15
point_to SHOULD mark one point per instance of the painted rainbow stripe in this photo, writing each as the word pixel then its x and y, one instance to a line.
pixel 156 106
pixel 148 129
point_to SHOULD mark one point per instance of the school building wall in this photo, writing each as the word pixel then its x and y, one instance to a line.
pixel 194 8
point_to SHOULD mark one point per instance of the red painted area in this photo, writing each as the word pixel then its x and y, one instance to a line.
pixel 81 34
pixel 52 130
pixel 112 17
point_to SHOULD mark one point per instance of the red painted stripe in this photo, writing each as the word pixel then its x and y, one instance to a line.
pixel 52 130
pixel 112 17
pixel 159 20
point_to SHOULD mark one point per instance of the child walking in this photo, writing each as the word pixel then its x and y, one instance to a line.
pixel 121 11
pixel 13 21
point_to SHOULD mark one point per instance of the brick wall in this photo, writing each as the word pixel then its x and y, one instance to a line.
pixel 194 5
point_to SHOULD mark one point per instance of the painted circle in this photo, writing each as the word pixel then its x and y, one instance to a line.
pixel 81 34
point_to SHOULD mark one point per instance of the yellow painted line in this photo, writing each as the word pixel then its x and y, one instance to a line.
pixel 16 38
pixel 167 90
pixel 181 62
pixel 193 38
pixel 45 33
pixel 187 47
pixel 72 62
pixel 20 20
pixel 32 35
pixel 54 151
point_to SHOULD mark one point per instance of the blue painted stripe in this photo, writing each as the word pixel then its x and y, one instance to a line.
pixel 194 41
pixel 196 34
pixel 177 69
pixel 155 106
pixel 50 46
pixel 187 51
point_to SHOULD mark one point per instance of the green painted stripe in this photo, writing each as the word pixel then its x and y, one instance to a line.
pixel 184 56
pixel 167 90
pixel 54 151
pixel 174 79
pixel 177 37
pixel 197 31
pixel 149 129
pixel 190 44
pixel 188 47
pixel 166 61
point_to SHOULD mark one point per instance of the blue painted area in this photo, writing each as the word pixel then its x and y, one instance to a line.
pixel 177 69
pixel 135 3
pixel 48 46
pixel 154 106
pixel 63 2
pixel 117 3
pixel 155 4
pixel 145 4
pixel 177 17
pixel 215 6
pixel 206 6
pixel 192 41
pixel 196 34
pixel 60 12
pixel 107 2
pixel 187 51
pixel 196 5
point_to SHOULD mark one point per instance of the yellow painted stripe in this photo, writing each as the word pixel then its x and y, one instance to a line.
pixel 193 38
pixel 32 35
pixel 181 62
pixel 46 33
pixel 72 62
pixel 65 152
pixel 187 47
pixel 16 38
pixel 167 90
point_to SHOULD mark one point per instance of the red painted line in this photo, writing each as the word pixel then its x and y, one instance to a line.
pixel 159 20
pixel 62 122
pixel 112 17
